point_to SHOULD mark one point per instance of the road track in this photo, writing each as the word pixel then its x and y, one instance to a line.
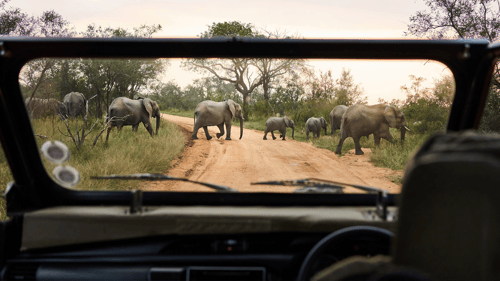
pixel 237 163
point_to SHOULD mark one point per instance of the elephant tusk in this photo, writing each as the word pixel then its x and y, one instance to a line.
pixel 407 129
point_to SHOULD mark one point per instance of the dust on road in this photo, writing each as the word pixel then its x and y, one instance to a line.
pixel 237 163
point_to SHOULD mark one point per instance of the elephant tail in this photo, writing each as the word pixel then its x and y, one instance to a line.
pixel 343 131
pixel 110 115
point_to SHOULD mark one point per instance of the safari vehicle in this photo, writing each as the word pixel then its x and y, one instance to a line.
pixel 444 224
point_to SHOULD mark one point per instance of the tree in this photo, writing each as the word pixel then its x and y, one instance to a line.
pixel 346 92
pixel 457 19
pixel 428 107
pixel 463 19
pixel 37 77
pixel 112 78
pixel 270 69
pixel 245 73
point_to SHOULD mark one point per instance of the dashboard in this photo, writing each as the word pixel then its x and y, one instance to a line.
pixel 194 242
pixel 259 256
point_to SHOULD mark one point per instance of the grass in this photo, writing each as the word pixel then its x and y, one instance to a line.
pixel 127 152
pixel 178 112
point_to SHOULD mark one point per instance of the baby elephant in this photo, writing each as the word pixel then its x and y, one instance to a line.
pixel 280 124
pixel 314 125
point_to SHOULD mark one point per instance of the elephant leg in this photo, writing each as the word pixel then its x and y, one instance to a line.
pixel 265 134
pixel 205 128
pixel 194 136
pixel 307 134
pixel 134 127
pixel 376 138
pixel 272 134
pixel 228 129
pixel 341 142
pixel 221 129
pixel 147 125
pixel 357 146
pixel 283 133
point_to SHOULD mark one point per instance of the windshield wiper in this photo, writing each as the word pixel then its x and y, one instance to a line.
pixel 314 185
pixel 320 184
pixel 160 177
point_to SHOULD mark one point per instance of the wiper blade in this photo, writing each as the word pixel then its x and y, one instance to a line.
pixel 309 185
pixel 160 177
pixel 323 185
pixel 320 184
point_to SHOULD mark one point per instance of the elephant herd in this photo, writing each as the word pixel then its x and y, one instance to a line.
pixel 354 121
pixel 122 111
pixel 73 104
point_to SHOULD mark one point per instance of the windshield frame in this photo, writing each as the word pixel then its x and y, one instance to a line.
pixel 33 189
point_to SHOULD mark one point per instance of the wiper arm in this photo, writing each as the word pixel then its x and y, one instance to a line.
pixel 381 203
pixel 310 184
pixel 160 177
pixel 319 183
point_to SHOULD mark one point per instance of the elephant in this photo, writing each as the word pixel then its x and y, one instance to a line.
pixel 280 124
pixel 336 117
pixel 76 104
pixel 212 113
pixel 39 108
pixel 362 120
pixel 315 125
pixel 124 111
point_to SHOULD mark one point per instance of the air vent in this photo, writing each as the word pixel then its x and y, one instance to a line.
pixel 21 272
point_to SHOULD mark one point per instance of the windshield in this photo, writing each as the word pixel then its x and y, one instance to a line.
pixel 234 122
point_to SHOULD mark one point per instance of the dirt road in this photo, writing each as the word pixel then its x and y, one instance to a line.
pixel 237 163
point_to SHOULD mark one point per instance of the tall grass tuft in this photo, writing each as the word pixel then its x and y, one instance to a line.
pixel 396 155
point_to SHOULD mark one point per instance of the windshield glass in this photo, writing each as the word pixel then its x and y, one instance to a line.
pixel 234 122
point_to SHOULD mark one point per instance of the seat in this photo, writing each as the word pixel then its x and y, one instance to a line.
pixel 449 214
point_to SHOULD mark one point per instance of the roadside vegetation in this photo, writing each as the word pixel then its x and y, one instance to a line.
pixel 127 152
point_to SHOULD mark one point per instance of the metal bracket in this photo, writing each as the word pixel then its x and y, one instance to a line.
pixel 381 205
pixel 136 202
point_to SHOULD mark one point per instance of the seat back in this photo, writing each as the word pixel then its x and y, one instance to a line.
pixel 449 214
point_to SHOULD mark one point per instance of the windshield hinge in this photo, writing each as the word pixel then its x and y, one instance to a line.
pixel 381 205
pixel 136 202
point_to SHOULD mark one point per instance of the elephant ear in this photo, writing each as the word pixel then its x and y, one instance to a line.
pixel 148 104
pixel 287 121
pixel 323 122
pixel 230 103
pixel 390 116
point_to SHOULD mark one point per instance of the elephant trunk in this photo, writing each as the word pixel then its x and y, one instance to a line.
pixel 403 132
pixel 325 130
pixel 241 128
pixel 293 131
pixel 158 117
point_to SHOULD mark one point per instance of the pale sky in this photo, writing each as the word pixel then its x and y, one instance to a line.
pixel 309 19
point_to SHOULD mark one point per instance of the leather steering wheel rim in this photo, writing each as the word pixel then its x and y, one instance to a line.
pixel 332 238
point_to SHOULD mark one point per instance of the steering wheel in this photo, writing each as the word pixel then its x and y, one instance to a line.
pixel 337 237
